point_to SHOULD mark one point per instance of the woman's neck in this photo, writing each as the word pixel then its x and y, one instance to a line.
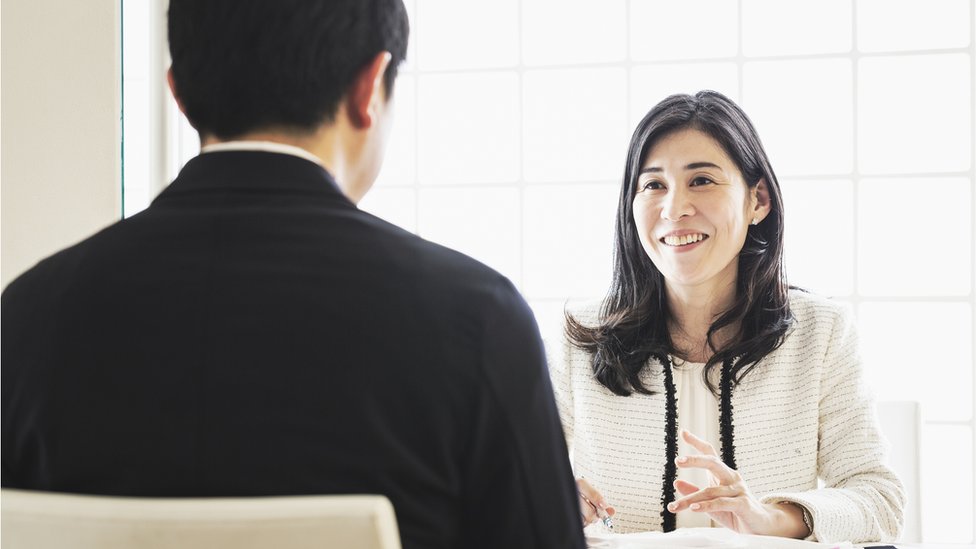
pixel 693 310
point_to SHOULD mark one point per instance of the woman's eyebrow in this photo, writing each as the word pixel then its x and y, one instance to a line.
pixel 697 165
pixel 692 166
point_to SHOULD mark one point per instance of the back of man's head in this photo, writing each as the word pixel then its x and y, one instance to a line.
pixel 250 65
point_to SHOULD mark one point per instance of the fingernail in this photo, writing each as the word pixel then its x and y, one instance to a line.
pixel 681 459
pixel 672 507
pixel 695 506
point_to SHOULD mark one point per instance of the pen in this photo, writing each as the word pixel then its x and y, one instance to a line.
pixel 600 513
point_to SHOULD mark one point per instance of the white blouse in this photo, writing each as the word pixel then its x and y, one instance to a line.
pixel 698 413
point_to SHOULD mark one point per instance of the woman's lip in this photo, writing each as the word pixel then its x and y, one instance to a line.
pixel 684 248
pixel 682 232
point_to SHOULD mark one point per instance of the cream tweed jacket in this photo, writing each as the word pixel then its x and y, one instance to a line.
pixel 802 414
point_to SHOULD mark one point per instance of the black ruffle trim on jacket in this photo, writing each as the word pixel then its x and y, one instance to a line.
pixel 726 433
pixel 671 445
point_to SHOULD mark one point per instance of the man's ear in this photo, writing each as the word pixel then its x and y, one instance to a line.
pixel 366 94
pixel 179 103
pixel 763 205
pixel 172 89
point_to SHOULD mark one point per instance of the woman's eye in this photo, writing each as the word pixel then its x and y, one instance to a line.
pixel 699 181
pixel 651 185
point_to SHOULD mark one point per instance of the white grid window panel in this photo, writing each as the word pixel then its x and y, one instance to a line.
pixel 513 118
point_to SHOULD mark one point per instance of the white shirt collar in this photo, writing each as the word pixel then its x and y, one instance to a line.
pixel 266 146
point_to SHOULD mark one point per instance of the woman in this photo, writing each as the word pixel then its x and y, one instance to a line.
pixel 703 390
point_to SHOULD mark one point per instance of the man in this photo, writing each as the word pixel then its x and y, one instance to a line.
pixel 254 333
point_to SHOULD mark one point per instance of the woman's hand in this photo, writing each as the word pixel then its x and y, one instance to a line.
pixel 590 500
pixel 728 500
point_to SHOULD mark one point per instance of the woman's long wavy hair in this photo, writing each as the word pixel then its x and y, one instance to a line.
pixel 634 320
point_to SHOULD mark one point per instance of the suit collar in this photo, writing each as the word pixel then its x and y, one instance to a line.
pixel 250 171
pixel 266 146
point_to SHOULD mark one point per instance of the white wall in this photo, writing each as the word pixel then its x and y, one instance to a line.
pixel 61 131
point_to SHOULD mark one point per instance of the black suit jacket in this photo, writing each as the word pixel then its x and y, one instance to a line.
pixel 254 333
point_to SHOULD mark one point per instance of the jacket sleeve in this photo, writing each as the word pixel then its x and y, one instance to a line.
pixel 519 488
pixel 862 500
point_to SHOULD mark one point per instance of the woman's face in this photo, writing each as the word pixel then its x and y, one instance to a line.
pixel 692 210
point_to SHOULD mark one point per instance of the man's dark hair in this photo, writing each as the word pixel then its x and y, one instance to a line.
pixel 246 65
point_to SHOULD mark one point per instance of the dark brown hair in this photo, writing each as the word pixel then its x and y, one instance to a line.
pixel 634 318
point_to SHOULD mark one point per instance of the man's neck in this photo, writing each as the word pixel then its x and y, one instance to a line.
pixel 321 144
pixel 265 146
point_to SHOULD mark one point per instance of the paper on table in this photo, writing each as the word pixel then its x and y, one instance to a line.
pixel 702 538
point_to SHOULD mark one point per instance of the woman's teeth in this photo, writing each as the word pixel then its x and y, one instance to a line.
pixel 683 240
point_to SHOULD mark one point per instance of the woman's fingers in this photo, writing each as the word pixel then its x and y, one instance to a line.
pixel 591 494
pixel 684 487
pixel 729 502
pixel 587 511
pixel 735 505
pixel 590 500
pixel 698 444
pixel 700 496
pixel 722 472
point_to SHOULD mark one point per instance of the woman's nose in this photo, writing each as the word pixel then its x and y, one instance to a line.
pixel 677 204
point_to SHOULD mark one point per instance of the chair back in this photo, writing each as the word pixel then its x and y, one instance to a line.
pixel 901 424
pixel 48 520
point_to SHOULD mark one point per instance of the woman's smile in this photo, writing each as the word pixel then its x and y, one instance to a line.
pixel 683 241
